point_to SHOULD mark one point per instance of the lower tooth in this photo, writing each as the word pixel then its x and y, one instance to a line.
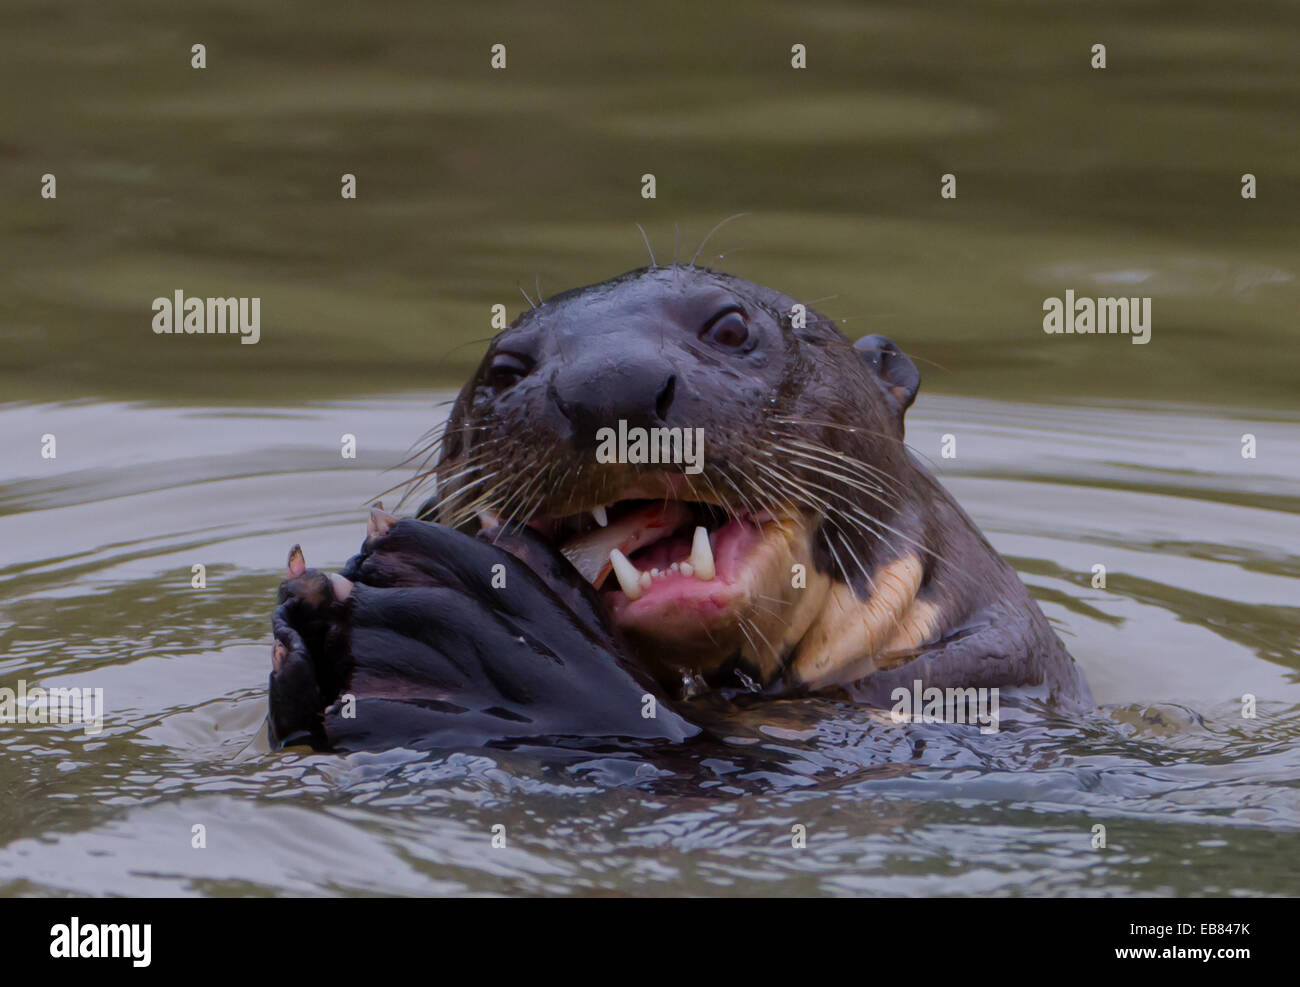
pixel 687 569
pixel 702 554
pixel 628 576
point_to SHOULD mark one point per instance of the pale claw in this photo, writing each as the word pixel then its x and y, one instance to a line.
pixel 380 522
pixel 342 586
pixel 297 565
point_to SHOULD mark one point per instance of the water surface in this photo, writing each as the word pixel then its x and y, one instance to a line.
pixel 1199 609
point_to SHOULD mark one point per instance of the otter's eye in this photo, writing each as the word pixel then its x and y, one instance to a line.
pixel 506 369
pixel 727 329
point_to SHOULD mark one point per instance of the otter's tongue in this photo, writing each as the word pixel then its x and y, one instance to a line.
pixel 589 553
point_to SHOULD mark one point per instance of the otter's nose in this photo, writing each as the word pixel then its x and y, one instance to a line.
pixel 640 394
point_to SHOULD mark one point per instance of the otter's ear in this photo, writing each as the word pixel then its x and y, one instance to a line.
pixel 896 373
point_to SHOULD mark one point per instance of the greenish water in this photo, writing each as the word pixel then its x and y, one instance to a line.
pixel 1074 451
pixel 473 182
pixel 1199 609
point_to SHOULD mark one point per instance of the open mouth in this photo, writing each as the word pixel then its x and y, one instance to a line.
pixel 651 558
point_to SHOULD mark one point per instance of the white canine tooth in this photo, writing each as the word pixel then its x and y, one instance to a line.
pixel 629 577
pixel 702 555
pixel 601 517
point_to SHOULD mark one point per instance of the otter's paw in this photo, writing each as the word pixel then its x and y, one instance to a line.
pixel 309 657
pixel 433 639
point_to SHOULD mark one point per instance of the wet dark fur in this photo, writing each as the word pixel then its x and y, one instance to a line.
pixel 630 348
pixel 433 656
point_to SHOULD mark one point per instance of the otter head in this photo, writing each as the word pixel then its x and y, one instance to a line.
pixel 715 459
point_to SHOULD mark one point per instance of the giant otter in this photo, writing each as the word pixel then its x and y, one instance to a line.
pixel 551 592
